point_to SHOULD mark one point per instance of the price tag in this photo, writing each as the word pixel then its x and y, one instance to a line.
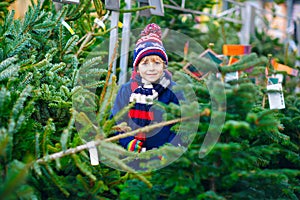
pixel 231 76
pixel 94 155
pixel 279 77
pixel 280 67
pixel 100 23
pixel 65 24
pixel 276 99
pixel 236 49
pixel 68 1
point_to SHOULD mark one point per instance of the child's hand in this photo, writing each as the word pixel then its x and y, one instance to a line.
pixel 122 127
pixel 135 145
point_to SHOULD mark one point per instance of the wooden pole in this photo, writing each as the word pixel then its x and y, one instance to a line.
pixel 113 39
pixel 125 44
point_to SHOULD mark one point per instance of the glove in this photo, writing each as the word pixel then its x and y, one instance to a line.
pixel 135 145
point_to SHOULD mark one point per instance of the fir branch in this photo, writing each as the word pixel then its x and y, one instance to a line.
pixel 245 62
pixel 103 32
pixel 9 72
pixel 61 14
pixel 66 132
pixel 20 45
pixel 94 143
pixel 17 171
pixel 87 39
pixel 18 107
pixel 83 167
pixel 45 26
pixel 80 10
pixel 4 141
pixel 129 169
pixel 99 7
pixel 70 44
pixel 49 129
pixel 7 62
pixel 133 10
pixel 58 67
pixel 103 92
pixel 56 180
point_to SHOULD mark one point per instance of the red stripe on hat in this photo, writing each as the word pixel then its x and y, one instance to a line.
pixel 139 114
pixel 150 52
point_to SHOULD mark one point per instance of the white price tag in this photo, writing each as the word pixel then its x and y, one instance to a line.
pixel 100 23
pixel 65 24
pixel 280 77
pixel 231 76
pixel 94 156
pixel 276 99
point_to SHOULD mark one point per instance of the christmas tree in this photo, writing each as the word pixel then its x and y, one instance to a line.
pixel 57 92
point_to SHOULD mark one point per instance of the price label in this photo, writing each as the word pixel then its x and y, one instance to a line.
pixel 94 155
pixel 236 49
pixel 280 67
pixel 275 96
pixel 231 76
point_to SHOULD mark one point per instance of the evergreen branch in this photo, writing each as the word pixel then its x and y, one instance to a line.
pixel 105 109
pixel 56 181
pixel 98 6
pixel 18 107
pixel 40 64
pixel 70 44
pixel 80 11
pixel 98 142
pixel 15 179
pixel 129 169
pixel 58 67
pixel 87 39
pixel 50 127
pixel 12 70
pixel 263 114
pixel 20 45
pixel 103 92
pixel 137 9
pixel 244 63
pixel 61 14
pixel 9 61
pixel 66 132
pixel 83 167
pixel 104 32
pixel 4 142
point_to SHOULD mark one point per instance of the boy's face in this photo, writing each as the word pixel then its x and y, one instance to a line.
pixel 151 68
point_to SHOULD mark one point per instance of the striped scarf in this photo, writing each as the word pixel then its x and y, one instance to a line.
pixel 144 96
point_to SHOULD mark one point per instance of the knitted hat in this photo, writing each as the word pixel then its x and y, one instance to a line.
pixel 149 44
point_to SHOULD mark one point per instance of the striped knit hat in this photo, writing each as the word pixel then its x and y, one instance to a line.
pixel 149 44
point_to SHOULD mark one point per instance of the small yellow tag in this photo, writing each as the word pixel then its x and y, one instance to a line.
pixel 65 24
pixel 120 24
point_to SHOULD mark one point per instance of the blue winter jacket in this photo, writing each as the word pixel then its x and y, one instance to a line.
pixel 156 137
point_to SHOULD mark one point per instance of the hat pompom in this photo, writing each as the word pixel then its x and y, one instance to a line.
pixel 152 29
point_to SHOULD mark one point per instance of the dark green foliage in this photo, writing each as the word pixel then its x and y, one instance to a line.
pixel 51 95
pixel 4 4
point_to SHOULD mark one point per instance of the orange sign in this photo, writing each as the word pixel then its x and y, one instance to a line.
pixel 280 67
pixel 236 49
pixel 232 60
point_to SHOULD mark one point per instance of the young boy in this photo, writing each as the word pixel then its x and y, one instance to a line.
pixel 150 81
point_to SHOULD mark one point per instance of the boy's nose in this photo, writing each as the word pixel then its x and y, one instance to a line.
pixel 151 66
